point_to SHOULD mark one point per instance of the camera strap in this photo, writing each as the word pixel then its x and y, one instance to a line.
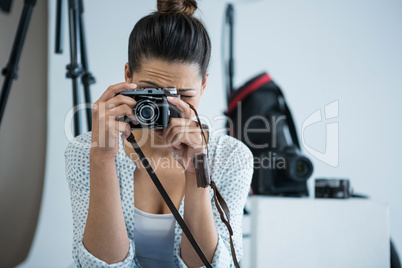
pixel 220 203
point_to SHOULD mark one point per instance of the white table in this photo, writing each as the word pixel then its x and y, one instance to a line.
pixel 307 232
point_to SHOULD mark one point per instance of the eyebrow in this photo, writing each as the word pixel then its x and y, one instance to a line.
pixel 157 86
pixel 185 89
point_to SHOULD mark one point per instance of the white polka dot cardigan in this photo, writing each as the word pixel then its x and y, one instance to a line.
pixel 231 165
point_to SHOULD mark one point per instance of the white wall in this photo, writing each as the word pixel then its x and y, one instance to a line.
pixel 317 51
pixel 350 51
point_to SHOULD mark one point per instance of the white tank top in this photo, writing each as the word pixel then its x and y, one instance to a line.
pixel 154 239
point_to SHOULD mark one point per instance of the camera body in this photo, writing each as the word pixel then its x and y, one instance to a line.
pixel 286 173
pixel 152 109
pixel 333 188
pixel 280 168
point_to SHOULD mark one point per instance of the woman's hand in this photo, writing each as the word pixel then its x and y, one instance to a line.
pixel 105 114
pixel 183 136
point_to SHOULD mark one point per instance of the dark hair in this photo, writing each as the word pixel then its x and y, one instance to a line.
pixel 171 34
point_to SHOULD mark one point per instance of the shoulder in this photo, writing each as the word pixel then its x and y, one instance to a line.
pixel 77 152
pixel 223 145
pixel 227 152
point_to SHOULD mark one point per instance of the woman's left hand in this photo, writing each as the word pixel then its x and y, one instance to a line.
pixel 183 136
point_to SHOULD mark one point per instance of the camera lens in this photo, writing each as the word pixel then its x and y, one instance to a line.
pixel 146 112
pixel 302 168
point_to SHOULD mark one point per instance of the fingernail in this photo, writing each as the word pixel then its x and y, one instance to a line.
pixel 170 98
pixel 133 85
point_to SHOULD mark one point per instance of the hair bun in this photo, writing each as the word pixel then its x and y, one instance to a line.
pixel 186 7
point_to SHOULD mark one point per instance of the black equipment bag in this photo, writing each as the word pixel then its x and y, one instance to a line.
pixel 259 116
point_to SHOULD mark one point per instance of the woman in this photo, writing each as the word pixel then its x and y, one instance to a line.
pixel 168 48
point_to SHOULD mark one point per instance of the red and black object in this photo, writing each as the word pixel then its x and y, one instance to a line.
pixel 259 117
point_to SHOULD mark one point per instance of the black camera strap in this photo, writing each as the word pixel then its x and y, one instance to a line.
pixel 168 201
pixel 220 203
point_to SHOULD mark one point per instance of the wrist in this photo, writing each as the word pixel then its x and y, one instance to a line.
pixel 192 191
pixel 100 156
pixel 190 177
pixel 191 181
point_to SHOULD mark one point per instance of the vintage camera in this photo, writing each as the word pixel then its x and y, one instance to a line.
pixel 152 109
pixel 333 188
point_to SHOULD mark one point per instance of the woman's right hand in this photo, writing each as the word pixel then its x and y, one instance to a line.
pixel 105 114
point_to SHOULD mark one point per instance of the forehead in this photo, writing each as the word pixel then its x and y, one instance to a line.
pixel 167 74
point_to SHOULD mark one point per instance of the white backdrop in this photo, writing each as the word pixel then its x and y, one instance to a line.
pixel 317 51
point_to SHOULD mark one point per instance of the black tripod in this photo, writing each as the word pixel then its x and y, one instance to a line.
pixel 229 64
pixel 78 67
pixel 10 71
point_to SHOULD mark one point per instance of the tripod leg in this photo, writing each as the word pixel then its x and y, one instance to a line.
pixel 74 69
pixel 59 27
pixel 87 78
pixel 228 31
pixel 10 71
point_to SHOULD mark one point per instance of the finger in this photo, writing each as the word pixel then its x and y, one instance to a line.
pixel 177 140
pixel 126 129
pixel 174 122
pixel 159 133
pixel 113 128
pixel 122 110
pixel 183 135
pixel 174 138
pixel 120 100
pixel 113 90
pixel 183 106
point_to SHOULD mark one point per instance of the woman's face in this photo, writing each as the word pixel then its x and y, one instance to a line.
pixel 162 74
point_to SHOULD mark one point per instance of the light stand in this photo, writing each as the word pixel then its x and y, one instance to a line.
pixel 10 71
pixel 229 65
pixel 78 67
